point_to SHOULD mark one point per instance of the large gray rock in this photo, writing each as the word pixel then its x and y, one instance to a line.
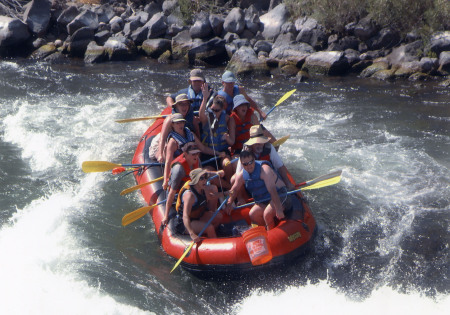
pixel 37 16
pixel 94 53
pixel 201 28
pixel 67 16
pixel 157 26
pixel 385 39
pixel 155 47
pixel 120 49
pixel 365 29
pixel 347 42
pixel 326 62
pixel 273 20
pixel 181 43
pixel 374 68
pixel 246 61
pixel 252 22
pixel 84 19
pixel 296 52
pixel 440 42
pixel 104 12
pixel 43 51
pixel 235 21
pixel 405 53
pixel 78 42
pixel 444 62
pixel 13 33
pixel 216 21
pixel 211 52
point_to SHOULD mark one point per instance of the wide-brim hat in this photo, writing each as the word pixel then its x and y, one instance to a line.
pixel 177 117
pixel 181 98
pixel 197 74
pixel 195 175
pixel 239 100
pixel 256 136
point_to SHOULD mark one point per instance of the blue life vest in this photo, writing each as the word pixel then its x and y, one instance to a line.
pixel 181 140
pixel 229 98
pixel 218 129
pixel 255 185
pixel 195 98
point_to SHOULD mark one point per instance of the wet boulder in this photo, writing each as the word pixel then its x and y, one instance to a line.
pixel 181 43
pixel 211 52
pixel 155 47
pixel 104 13
pixel 120 49
pixel 13 35
pixel 405 53
pixel 78 42
pixel 94 53
pixel 37 16
pixel 326 62
pixel 273 20
pixel 43 51
pixel 245 61
pixel 86 18
pixel 373 68
pixel 347 42
pixel 235 21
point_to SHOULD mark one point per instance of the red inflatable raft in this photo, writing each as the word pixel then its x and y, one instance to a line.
pixel 228 254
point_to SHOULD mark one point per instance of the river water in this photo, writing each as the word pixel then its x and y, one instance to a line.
pixel 383 238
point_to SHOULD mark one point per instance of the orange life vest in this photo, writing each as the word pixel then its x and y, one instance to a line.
pixel 242 129
pixel 182 161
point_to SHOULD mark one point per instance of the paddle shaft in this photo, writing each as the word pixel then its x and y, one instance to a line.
pixel 281 100
pixel 199 234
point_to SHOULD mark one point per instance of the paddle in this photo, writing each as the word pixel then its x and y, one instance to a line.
pixel 199 234
pixel 280 141
pixel 281 100
pixel 103 166
pixel 131 189
pixel 319 182
pixel 143 118
pixel 139 213
pixel 128 190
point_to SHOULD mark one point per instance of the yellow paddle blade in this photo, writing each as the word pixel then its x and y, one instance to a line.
pixel 136 214
pixel 324 183
pixel 182 256
pixel 128 190
pixel 120 121
pixel 285 96
pixel 280 141
pixel 98 166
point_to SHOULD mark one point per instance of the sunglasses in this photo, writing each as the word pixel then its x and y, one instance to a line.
pixel 216 110
pixel 248 163
pixel 204 177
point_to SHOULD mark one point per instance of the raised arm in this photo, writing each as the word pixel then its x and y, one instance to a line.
pixel 252 103
pixel 202 110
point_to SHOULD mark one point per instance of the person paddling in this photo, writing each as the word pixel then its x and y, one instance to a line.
pixel 266 188
pixel 196 204
pixel 263 150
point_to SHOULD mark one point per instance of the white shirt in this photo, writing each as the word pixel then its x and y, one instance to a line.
pixel 275 159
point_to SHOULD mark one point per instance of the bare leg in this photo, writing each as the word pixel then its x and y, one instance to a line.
pixel 256 215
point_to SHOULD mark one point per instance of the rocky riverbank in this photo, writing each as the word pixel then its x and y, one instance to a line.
pixel 257 37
